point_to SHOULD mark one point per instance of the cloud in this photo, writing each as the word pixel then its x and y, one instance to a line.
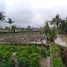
pixel 23 14
pixel 2 5
pixel 48 14
pixel 35 12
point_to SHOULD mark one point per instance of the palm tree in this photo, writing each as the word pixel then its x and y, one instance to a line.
pixel 56 21
pixel 2 16
pixel 10 21
pixel 50 37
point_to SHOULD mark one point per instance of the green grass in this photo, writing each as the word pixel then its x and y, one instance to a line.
pixel 57 61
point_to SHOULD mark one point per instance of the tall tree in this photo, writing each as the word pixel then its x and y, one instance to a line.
pixel 2 16
pixel 56 21
pixel 10 21
pixel 63 26
pixel 46 31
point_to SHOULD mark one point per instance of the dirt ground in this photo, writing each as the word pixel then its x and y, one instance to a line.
pixel 64 37
pixel 20 37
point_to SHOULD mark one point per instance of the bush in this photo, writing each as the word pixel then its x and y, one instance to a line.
pixel 27 56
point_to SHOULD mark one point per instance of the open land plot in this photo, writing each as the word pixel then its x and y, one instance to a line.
pixel 20 37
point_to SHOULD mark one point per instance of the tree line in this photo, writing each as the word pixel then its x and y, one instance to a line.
pixel 9 21
pixel 60 24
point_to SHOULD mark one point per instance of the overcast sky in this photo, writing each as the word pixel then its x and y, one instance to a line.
pixel 33 12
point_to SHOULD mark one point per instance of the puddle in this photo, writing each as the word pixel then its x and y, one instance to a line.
pixel 60 41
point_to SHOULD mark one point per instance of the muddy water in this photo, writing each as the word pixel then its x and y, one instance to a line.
pixel 59 41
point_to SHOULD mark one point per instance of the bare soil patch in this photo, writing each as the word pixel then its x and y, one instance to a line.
pixel 64 37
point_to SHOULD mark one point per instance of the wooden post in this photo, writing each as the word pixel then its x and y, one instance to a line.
pixel 15 59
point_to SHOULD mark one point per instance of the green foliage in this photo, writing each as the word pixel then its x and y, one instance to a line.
pixel 57 60
pixel 55 49
pixel 63 26
pixel 35 59
pixel 2 16
pixel 56 21
pixel 52 36
pixel 47 29
pixel 50 33
pixel 28 56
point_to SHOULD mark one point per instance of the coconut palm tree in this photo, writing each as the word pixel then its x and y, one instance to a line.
pixel 56 21
pixel 10 21
pixel 2 16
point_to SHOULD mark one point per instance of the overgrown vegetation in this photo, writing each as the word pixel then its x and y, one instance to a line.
pixel 57 59
pixel 28 56
pixel 60 24
pixel 50 33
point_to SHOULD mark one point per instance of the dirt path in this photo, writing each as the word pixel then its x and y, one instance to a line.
pixel 45 62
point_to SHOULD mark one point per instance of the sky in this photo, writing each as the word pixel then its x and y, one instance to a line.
pixel 33 12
